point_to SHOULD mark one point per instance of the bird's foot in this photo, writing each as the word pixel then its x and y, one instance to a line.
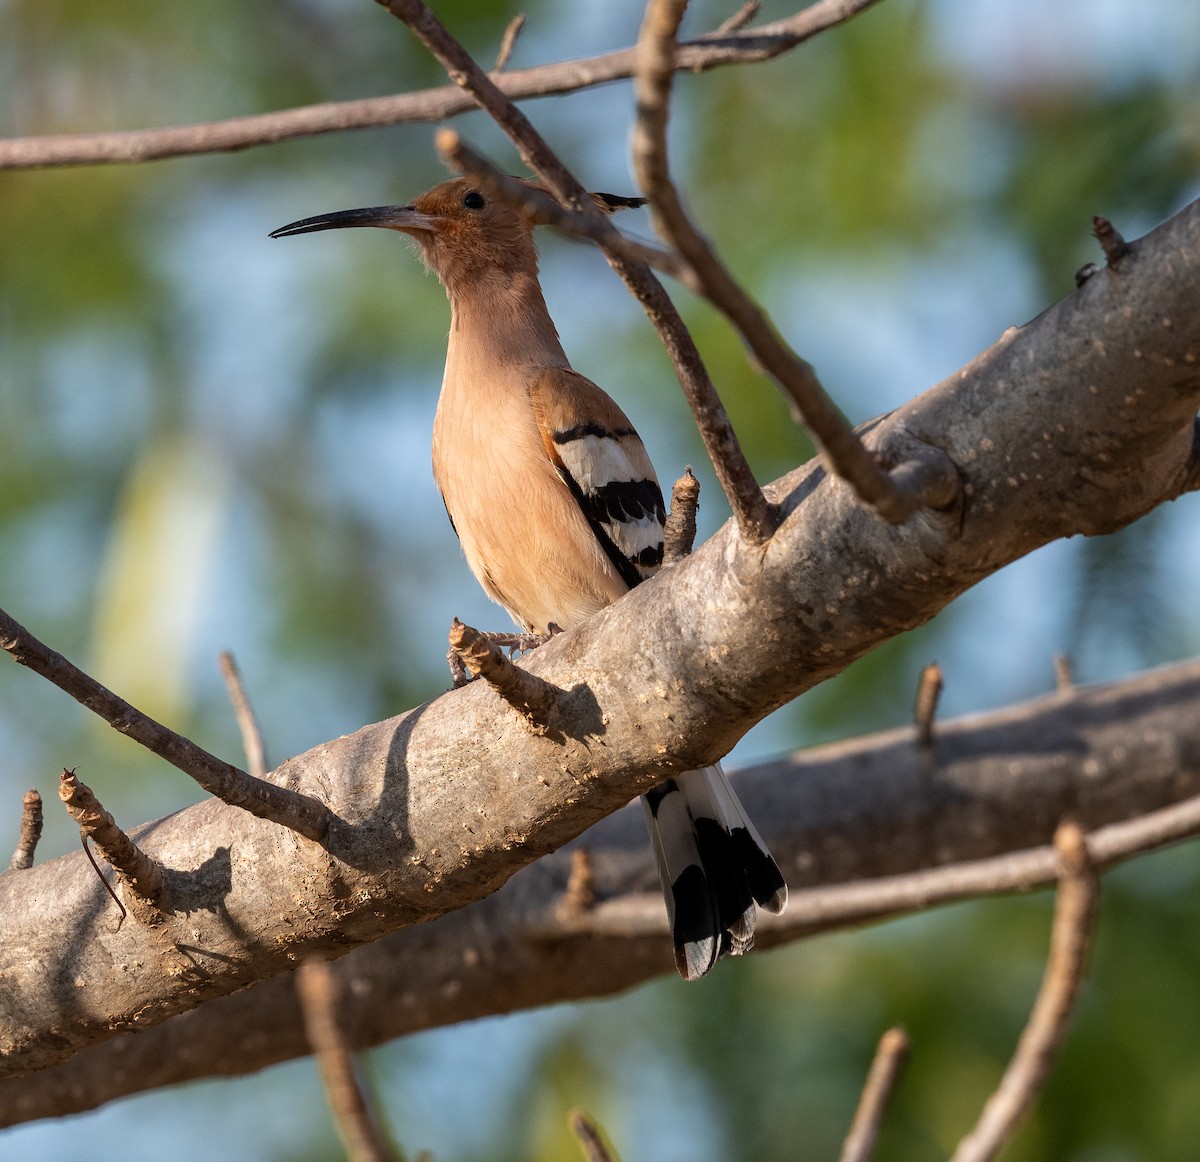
pixel 514 643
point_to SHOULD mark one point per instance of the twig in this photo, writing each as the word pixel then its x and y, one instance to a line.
pixel 843 450
pixel 714 50
pixel 545 210
pixel 301 813
pixel 508 42
pixel 1111 242
pixel 755 515
pixel 31 832
pixel 252 740
pixel 533 698
pixel 1074 916
pixel 929 691
pixel 1064 676
pixel 679 532
pixel 580 895
pixel 740 18
pixel 584 1127
pixel 357 1125
pixel 885 1070
pixel 514 643
pixel 143 875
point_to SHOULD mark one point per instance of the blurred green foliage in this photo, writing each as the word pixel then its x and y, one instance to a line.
pixel 211 440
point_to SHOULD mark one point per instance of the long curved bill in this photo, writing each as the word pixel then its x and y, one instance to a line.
pixel 406 218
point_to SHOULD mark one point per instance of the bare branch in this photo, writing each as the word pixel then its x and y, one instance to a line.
pixel 31 832
pixel 825 810
pixel 929 691
pixel 580 894
pixel 753 513
pixel 141 874
pixel 1074 917
pixel 656 52
pixel 252 740
pixel 885 1070
pixel 430 105
pixel 300 813
pixel 679 532
pixel 1064 676
pixel 357 1125
pixel 1114 246
pixel 508 42
pixel 740 18
pixel 584 1127
pixel 534 699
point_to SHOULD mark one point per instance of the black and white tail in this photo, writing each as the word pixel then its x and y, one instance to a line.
pixel 714 868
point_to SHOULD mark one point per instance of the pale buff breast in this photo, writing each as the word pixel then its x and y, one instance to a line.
pixel 522 532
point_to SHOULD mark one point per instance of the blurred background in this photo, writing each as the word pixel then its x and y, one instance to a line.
pixel 212 440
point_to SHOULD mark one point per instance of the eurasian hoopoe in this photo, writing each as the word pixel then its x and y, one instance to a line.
pixel 559 513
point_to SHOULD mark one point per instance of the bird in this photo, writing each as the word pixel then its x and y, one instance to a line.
pixel 559 513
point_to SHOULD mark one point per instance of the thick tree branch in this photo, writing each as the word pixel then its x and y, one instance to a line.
pixel 865 828
pixel 429 819
pixel 724 47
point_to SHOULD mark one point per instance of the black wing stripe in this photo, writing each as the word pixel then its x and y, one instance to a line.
pixel 622 500
pixel 579 431
pixel 623 565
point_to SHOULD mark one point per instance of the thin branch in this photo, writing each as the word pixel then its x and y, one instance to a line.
pixel 1023 1080
pixel 357 1125
pixel 547 211
pixel 533 698
pixel 1064 675
pixel 885 1070
pixel 844 452
pixel 301 813
pixel 580 894
pixel 1111 242
pixel 929 692
pixel 755 516
pixel 429 105
pixel 143 875
pixel 31 832
pixel 508 42
pixel 820 909
pixel 252 740
pixel 679 532
pixel 740 18
pixel 584 1127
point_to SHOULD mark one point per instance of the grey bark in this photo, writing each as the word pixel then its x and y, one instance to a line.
pixel 1079 422
pixel 874 815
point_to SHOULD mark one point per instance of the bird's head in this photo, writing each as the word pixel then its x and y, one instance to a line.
pixel 462 233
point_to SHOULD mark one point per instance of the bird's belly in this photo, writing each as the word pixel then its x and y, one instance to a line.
pixel 522 532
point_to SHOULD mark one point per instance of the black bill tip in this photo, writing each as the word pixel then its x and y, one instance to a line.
pixel 389 217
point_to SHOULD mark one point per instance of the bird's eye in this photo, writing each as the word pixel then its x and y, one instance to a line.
pixel 473 200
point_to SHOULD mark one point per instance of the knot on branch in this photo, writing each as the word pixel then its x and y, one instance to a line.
pixel 1111 241
pixel 483 657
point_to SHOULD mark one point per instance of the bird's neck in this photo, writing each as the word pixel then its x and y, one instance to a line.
pixel 499 323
